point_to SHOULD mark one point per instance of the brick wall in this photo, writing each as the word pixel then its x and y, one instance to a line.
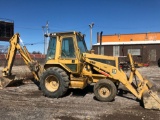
pixel 19 61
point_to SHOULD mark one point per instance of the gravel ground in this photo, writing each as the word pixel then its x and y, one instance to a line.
pixel 26 102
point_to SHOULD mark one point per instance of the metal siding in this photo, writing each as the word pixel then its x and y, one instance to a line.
pixel 124 51
pixel 95 48
pixel 144 52
pixel 108 50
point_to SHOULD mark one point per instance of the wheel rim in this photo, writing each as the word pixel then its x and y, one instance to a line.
pixel 52 83
pixel 104 92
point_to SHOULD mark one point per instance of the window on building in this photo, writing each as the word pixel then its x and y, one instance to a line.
pixel 115 50
pixel 102 50
pixel 134 51
pixel 152 55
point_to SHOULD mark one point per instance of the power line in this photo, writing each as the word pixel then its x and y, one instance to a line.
pixel 33 43
pixel 50 28
pixel 30 28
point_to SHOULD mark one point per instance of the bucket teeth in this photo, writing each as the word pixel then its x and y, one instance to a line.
pixel 151 100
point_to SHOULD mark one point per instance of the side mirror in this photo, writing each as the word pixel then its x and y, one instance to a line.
pixel 46 35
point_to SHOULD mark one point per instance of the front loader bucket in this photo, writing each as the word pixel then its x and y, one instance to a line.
pixel 151 100
pixel 142 88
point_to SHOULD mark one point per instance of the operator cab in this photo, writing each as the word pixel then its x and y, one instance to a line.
pixel 66 48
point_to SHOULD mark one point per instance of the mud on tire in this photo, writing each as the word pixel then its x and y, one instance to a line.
pixel 105 90
pixel 54 82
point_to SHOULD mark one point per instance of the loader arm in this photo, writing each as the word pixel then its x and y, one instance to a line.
pixel 15 46
pixel 142 91
pixel 111 71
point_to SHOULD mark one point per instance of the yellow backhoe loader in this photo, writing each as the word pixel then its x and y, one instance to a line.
pixel 70 65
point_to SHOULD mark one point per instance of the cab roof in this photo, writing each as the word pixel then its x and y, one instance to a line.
pixel 62 33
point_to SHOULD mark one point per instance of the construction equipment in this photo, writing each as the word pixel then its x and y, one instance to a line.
pixel 15 46
pixel 70 65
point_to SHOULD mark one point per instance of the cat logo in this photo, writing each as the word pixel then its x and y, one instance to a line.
pixel 114 71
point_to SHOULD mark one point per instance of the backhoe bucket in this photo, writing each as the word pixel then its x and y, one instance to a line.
pixel 4 81
pixel 14 80
pixel 151 100
pixel 20 74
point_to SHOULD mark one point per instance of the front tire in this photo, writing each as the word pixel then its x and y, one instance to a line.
pixel 54 82
pixel 105 90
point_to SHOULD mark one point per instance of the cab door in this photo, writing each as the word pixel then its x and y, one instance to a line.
pixel 68 55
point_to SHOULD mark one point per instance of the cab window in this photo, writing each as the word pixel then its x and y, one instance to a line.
pixel 51 48
pixel 67 50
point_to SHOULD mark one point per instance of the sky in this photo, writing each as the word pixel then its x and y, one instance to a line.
pixel 109 16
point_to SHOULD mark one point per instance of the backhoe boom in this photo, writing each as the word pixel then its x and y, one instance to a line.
pixel 15 46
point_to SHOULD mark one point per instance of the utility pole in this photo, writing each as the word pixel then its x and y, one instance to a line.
pixel 46 27
pixel 43 27
pixel 91 26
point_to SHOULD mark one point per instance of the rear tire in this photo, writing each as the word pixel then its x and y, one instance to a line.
pixel 54 82
pixel 105 90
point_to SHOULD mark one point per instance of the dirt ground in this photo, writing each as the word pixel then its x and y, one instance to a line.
pixel 26 102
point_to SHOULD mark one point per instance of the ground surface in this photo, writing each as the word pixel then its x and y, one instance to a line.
pixel 26 102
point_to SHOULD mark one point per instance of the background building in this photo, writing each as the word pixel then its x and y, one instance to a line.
pixel 145 47
pixel 6 32
pixel 6 29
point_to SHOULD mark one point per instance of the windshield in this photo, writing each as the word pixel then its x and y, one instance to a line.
pixel 81 44
pixel 51 48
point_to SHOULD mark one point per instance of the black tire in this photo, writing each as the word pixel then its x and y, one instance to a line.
pixel 54 82
pixel 102 86
pixel 158 62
